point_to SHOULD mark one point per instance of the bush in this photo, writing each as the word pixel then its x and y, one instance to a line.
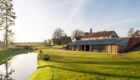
pixel 35 49
pixel 46 57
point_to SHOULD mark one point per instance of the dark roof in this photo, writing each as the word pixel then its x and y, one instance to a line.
pixel 137 33
pixel 99 34
pixel 78 38
pixel 100 42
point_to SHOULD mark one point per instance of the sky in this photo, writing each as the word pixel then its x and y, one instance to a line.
pixel 37 19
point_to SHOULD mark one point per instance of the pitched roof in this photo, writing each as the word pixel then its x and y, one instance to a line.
pixel 99 34
pixel 137 33
pixel 78 38
pixel 101 42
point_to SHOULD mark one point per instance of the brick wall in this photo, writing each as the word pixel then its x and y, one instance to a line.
pixel 132 43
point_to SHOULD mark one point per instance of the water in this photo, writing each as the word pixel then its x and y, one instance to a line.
pixel 21 67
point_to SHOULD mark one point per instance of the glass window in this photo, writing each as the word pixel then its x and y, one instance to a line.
pixel 95 48
pixel 103 48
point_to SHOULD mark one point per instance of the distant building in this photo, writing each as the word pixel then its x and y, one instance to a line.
pixel 66 39
pixel 137 33
pixel 100 35
pixel 63 40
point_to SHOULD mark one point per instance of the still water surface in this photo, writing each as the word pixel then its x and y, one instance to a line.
pixel 21 67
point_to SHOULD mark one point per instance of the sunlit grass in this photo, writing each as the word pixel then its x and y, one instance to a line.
pixel 58 46
pixel 73 65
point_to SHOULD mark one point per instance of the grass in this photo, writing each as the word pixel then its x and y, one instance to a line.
pixel 7 53
pixel 58 46
pixel 72 65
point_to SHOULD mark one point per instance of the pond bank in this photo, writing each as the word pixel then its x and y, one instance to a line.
pixel 20 67
pixel 7 54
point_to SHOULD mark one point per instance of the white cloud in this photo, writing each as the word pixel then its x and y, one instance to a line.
pixel 76 9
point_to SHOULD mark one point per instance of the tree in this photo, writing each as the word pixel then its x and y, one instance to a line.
pixel 131 32
pixel 7 16
pixel 77 33
pixel 10 37
pixel 58 33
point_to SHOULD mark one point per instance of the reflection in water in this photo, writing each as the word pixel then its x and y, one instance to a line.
pixel 20 67
pixel 8 73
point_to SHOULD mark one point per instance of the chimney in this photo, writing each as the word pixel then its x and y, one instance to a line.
pixel 90 30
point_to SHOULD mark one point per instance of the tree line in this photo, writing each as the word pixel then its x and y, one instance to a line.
pixel 59 37
pixel 59 32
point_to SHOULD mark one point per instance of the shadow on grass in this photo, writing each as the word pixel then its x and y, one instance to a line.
pixel 87 60
pixel 93 73
pixel 129 69
pixel 66 59
pixel 102 62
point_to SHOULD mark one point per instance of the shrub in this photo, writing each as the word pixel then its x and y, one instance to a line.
pixel 35 49
pixel 46 57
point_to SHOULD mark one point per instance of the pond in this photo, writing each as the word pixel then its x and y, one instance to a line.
pixel 20 67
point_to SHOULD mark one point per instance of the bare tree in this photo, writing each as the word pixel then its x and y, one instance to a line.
pixel 7 16
pixel 77 33
pixel 58 33
pixel 131 32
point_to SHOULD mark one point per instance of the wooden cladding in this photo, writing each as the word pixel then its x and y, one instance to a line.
pixel 112 49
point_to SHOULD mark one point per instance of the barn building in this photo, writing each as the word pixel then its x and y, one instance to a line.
pixel 104 42
pixel 100 45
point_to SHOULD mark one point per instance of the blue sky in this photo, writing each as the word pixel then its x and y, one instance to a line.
pixel 37 19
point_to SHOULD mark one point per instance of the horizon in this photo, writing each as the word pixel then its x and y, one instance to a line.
pixel 37 20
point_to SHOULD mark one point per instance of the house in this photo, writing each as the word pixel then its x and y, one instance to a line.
pixel 104 42
pixel 50 42
pixel 137 33
pixel 100 45
pixel 99 35
pixel 76 38
pixel 66 39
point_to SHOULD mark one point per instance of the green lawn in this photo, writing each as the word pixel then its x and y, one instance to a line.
pixel 7 53
pixel 72 65
pixel 58 46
